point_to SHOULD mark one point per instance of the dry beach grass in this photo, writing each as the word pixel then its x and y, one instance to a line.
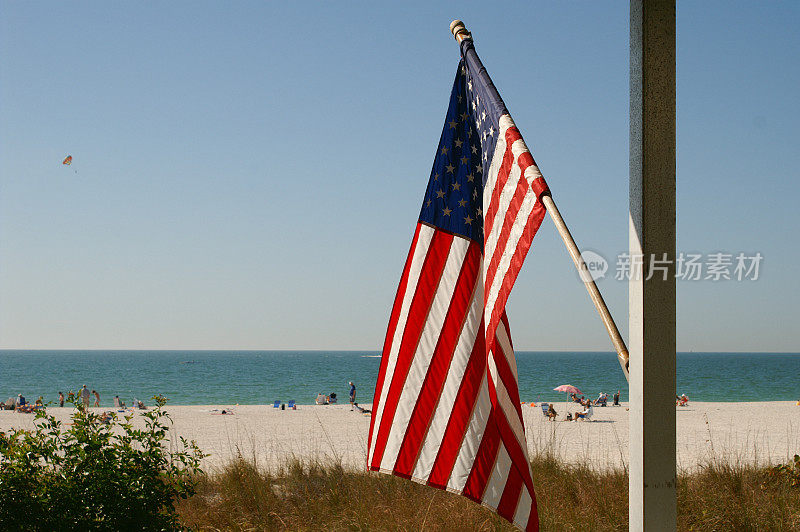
pixel 724 452
pixel 313 496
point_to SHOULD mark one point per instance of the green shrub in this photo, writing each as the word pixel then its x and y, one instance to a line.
pixel 790 472
pixel 97 474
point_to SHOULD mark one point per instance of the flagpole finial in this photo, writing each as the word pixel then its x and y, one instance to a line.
pixel 460 31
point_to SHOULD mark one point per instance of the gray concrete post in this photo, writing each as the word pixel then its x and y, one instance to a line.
pixel 652 499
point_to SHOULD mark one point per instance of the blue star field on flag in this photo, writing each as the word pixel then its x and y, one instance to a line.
pixel 454 197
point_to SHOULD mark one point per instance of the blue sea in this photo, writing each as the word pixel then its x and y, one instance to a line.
pixel 261 377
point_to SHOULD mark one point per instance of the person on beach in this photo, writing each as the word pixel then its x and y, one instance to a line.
pixel 551 412
pixel 60 398
pixel 365 411
pixel 96 398
pixel 84 393
pixel 71 396
pixel 616 398
pixel 602 399
pixel 588 410
pixel 22 405
pixel 352 395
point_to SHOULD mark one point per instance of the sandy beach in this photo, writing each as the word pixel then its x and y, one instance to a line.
pixel 761 432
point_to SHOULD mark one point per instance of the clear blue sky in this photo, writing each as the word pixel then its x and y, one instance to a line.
pixel 249 174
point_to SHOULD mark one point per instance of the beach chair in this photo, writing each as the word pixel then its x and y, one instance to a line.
pixel 290 404
pixel 586 416
pixel 277 404
pixel 545 408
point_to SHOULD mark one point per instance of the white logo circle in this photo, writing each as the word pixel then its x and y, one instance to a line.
pixel 594 266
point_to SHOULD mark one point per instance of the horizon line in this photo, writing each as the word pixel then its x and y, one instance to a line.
pixel 227 349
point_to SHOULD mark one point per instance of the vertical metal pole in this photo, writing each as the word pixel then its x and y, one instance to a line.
pixel 652 502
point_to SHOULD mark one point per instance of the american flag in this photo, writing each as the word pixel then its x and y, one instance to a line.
pixel 446 410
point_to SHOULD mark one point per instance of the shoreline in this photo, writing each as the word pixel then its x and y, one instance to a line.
pixel 53 407
pixel 758 433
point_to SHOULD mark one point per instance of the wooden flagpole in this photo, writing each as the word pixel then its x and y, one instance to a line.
pixel 460 32
pixel 591 286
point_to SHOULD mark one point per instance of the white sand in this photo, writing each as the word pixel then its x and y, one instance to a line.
pixel 764 432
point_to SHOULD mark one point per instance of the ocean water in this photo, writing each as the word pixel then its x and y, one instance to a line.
pixel 261 377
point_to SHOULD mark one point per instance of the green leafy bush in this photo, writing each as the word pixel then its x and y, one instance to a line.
pixel 790 472
pixel 99 473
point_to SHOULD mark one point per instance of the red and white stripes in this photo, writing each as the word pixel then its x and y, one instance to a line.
pixel 446 410
pixel 513 214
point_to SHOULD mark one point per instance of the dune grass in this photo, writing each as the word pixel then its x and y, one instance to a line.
pixel 313 496
pixel 734 496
